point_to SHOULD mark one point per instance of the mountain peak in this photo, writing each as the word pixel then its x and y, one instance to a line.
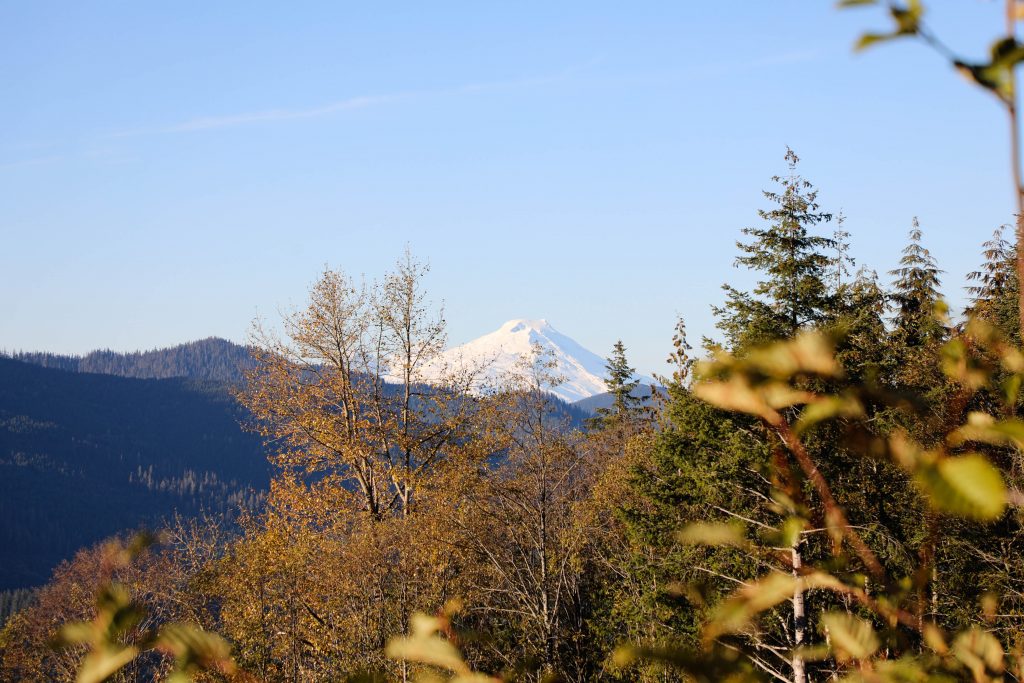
pixel 501 351
pixel 524 324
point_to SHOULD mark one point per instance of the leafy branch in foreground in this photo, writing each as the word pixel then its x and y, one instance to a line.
pixel 113 638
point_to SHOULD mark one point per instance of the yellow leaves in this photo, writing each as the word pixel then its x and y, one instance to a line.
pixel 736 612
pixel 850 637
pixel 934 638
pixel 759 384
pixel 114 639
pixel 807 353
pixel 194 650
pixel 116 615
pixel 980 652
pixel 733 394
pixel 983 428
pixel 827 408
pixel 713 534
pixel 962 366
pixel 102 663
pixel 965 485
pixel 427 645
pixel 906 22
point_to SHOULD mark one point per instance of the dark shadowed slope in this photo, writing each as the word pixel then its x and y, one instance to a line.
pixel 83 456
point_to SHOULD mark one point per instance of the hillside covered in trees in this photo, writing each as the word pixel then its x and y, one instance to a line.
pixel 84 456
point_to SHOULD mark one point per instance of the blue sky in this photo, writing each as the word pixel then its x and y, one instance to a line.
pixel 170 170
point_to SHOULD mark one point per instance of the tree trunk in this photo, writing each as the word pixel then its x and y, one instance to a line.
pixel 799 618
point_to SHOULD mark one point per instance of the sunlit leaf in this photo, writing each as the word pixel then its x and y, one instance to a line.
pixel 983 428
pixel 713 534
pixel 713 665
pixel 1011 389
pixel 967 485
pixel 736 612
pixel 789 532
pixel 980 652
pixel 869 39
pixel 432 650
pixel 903 670
pixel 195 649
pixel 102 663
pixel 733 394
pixel 808 352
pixel 959 365
pixel 850 637
pixel 779 395
pixel 828 408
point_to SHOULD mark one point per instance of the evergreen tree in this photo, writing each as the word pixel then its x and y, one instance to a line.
pixel 794 262
pixel 994 293
pixel 842 262
pixel 622 387
pixel 915 293
pixel 860 327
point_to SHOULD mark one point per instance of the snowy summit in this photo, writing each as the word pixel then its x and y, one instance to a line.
pixel 500 351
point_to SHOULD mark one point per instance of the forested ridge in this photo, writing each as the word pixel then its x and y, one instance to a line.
pixel 827 491
pixel 84 456
pixel 213 359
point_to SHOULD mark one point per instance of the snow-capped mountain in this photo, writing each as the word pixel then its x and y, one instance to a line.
pixel 500 351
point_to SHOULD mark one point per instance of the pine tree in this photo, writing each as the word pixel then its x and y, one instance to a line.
pixel 994 293
pixel 915 294
pixel 794 262
pixel 620 382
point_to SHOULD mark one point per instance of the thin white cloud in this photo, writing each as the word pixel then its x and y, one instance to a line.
pixel 38 161
pixel 782 59
pixel 272 115
pixel 361 102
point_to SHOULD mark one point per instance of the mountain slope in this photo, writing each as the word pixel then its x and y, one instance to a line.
pixel 592 404
pixel 502 350
pixel 84 456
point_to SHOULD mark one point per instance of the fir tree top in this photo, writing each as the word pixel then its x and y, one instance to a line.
pixel 916 291
pixel 793 261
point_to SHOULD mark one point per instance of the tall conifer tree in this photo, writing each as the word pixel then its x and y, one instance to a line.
pixel 793 261
pixel 915 293
pixel 623 389
pixel 995 288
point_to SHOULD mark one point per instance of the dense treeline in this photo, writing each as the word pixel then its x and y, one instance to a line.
pixel 84 456
pixel 213 359
pixel 561 542
pixel 12 601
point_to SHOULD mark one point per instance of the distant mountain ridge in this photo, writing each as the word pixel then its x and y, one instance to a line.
pixel 597 402
pixel 213 359
pixel 501 351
